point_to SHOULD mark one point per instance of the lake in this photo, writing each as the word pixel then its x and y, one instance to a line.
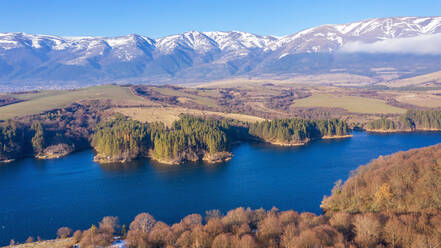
pixel 38 197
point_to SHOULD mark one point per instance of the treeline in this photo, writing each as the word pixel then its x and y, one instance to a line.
pixel 54 132
pixel 247 228
pixel 14 140
pixel 297 131
pixel 122 139
pixel 18 140
pixel 191 137
pixel 411 120
pixel 188 139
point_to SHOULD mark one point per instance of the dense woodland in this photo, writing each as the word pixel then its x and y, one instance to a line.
pixel 297 131
pixel 394 201
pixel 412 120
pixel 404 182
pixel 188 139
pixel 123 139
pixel 192 138
pixel 14 140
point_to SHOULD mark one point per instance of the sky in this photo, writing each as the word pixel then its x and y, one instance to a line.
pixel 166 17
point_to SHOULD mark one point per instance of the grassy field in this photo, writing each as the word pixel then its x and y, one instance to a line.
pixel 429 79
pixel 185 96
pixel 55 243
pixel 353 104
pixel 170 114
pixel 420 99
pixel 46 100
pixel 342 79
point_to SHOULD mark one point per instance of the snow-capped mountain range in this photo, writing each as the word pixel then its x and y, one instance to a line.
pixel 199 56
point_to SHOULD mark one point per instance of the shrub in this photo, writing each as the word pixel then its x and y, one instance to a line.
pixel 64 232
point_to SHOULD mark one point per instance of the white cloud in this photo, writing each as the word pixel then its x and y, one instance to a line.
pixel 424 44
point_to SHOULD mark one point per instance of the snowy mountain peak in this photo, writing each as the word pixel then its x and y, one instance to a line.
pixel 206 54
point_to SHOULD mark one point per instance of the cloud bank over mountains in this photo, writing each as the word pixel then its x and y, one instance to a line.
pixel 421 45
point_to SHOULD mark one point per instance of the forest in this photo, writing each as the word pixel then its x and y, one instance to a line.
pixel 193 138
pixel 394 201
pixel 298 131
pixel 188 139
pixel 50 134
pixel 411 120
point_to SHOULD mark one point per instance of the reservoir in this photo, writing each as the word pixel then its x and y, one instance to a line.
pixel 38 197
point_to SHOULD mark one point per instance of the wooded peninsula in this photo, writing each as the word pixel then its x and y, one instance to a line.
pixel 118 139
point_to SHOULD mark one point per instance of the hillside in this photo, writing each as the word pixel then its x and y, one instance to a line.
pixel 403 182
pixel 354 48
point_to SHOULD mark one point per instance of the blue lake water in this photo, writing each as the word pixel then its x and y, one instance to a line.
pixel 38 197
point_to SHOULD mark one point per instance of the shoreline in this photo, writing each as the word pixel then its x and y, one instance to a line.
pixel 207 158
pixel 338 136
pixel 401 130
pixel 104 161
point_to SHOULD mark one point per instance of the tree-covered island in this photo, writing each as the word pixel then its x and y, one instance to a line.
pixel 194 138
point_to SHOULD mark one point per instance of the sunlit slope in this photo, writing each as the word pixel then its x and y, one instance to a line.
pixel 353 104
pixel 35 103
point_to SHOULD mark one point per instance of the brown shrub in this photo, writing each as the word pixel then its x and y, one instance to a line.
pixel 222 241
pixel 214 227
pixel 77 236
pixel 160 235
pixel 64 232
pixel 236 216
pixel 192 220
pixel 179 228
pixel 306 239
pixel 109 224
pixel 242 229
pixel 247 241
pixel 289 236
pixel 185 240
pixel 143 222
pixel 215 213
pixel 269 228
pixel 200 238
pixel 392 233
pixel 310 220
pixel 30 239
pixel 343 222
pixel 367 230
pixel 93 238
pixel 328 236
pixel 137 238
pixel 288 217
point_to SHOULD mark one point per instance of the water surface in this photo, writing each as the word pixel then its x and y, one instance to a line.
pixel 38 197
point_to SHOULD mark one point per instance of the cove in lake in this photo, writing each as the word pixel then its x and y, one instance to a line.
pixel 38 197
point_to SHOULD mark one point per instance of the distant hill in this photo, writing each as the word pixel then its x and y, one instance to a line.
pixel 427 80
pixel 403 182
pixel 366 48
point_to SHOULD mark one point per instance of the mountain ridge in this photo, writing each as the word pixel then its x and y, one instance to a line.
pixel 203 56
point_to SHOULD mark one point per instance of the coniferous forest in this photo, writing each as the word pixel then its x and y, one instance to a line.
pixel 298 131
pixel 188 139
pixel 411 120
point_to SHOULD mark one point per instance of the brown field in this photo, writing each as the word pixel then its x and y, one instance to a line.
pixel 35 103
pixel 426 80
pixel 341 79
pixel 54 243
pixel 353 104
pixel 170 114
pixel 420 99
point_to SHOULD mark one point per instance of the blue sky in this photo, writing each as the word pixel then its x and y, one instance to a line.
pixel 165 17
